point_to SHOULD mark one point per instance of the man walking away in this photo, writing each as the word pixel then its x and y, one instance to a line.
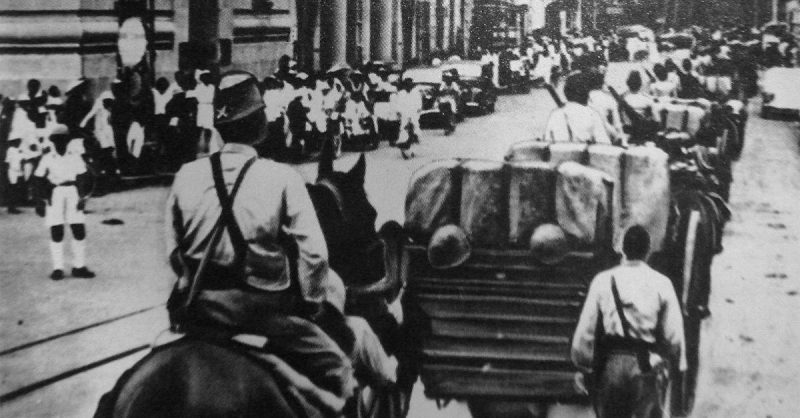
pixel 630 329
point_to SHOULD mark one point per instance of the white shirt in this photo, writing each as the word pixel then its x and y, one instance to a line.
pixel 576 123
pixel 14 158
pixel 641 103
pixel 648 302
pixel 160 100
pixel 275 104
pixel 60 169
pixel 605 105
pixel 664 89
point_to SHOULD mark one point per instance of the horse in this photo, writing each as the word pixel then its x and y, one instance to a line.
pixel 367 261
pixel 215 377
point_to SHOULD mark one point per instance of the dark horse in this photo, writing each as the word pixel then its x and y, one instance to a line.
pixel 202 377
pixel 695 236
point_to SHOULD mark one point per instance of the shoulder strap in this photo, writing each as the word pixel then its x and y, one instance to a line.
pixel 226 201
pixel 569 128
pixel 622 319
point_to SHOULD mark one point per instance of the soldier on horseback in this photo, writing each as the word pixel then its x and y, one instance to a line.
pixel 246 242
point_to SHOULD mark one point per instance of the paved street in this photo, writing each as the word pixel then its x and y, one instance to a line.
pixel 749 366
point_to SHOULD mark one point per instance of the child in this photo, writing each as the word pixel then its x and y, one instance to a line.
pixel 61 180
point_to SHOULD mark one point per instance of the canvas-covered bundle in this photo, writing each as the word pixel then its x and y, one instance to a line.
pixel 528 151
pixel 484 200
pixel 581 200
pixel 433 198
pixel 567 151
pixel 645 192
pixel 680 117
pixel 530 199
pixel 609 159
pixel 719 84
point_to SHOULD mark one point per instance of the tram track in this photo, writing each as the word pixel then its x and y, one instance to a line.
pixel 35 365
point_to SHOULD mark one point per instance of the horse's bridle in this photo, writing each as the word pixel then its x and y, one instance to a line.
pixel 334 191
pixel 377 245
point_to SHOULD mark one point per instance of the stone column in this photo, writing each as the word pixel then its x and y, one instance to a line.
pixel 448 25
pixel 381 43
pixel 333 33
pixel 432 28
pixel 467 22
pixel 366 29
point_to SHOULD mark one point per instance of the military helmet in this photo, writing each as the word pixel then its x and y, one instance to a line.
pixel 549 244
pixel 449 247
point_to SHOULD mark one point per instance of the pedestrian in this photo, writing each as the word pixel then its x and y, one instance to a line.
pixel 183 129
pixel 642 103
pixel 204 94
pixel 576 121
pixel 162 94
pixel 16 185
pixel 449 94
pixel 663 88
pixel 76 104
pixel 628 334
pixel 604 104
pixel 55 104
pixel 409 104
pixel 266 215
pixel 62 189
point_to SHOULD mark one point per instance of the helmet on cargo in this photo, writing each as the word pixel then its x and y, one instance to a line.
pixel 549 244
pixel 449 247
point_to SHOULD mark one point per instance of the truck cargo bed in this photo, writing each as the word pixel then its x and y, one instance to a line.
pixel 500 325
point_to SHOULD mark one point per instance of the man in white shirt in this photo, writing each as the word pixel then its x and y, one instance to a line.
pixel 631 326
pixel 604 104
pixel 61 180
pixel 575 121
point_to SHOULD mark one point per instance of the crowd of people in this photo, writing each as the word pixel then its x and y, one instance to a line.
pixel 721 67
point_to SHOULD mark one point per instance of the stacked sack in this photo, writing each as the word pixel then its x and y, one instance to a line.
pixel 639 187
pixel 498 205
pixel 501 205
pixel 686 116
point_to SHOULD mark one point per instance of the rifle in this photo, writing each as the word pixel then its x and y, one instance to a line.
pixel 554 95
pixel 641 128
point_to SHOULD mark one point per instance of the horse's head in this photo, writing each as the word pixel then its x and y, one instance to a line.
pixel 347 219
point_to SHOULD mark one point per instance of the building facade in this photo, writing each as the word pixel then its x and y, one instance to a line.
pixel 58 41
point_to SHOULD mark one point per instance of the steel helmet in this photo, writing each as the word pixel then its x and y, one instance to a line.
pixel 549 244
pixel 449 247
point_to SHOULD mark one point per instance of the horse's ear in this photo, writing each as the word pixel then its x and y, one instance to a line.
pixel 325 167
pixel 359 171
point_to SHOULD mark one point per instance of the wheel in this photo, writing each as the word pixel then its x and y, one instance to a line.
pixel 684 385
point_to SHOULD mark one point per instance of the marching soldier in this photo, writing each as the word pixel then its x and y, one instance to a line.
pixel 62 188
pixel 576 121
pixel 630 329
